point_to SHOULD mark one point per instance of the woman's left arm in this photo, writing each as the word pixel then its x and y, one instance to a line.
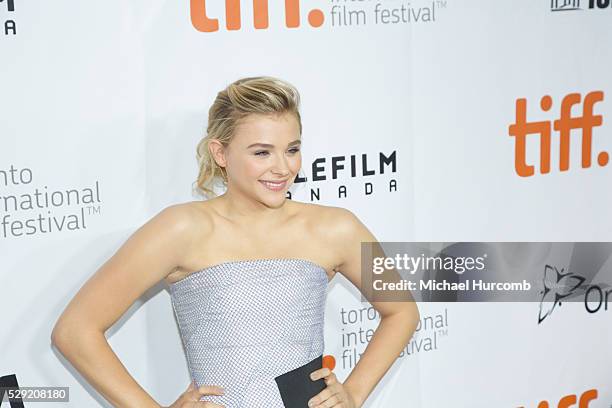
pixel 397 324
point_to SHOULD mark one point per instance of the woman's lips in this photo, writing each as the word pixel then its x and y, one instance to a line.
pixel 274 186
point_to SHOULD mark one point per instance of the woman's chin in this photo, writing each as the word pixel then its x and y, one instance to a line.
pixel 274 201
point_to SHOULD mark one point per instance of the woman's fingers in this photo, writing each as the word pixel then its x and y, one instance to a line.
pixel 328 375
pixel 202 404
pixel 211 390
pixel 331 379
pixel 206 404
pixel 320 373
pixel 195 394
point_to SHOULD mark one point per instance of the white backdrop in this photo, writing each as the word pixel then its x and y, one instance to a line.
pixel 110 98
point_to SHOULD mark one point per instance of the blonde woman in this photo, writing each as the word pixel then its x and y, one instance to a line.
pixel 247 272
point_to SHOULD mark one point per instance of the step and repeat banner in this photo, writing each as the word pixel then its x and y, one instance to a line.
pixel 433 121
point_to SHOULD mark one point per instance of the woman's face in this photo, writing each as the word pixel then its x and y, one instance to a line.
pixel 264 157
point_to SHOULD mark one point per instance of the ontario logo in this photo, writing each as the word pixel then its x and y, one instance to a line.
pixel 558 286
pixel 569 5
pixel 233 20
pixel 585 122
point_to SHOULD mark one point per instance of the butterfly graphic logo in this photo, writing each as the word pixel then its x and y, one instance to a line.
pixel 557 285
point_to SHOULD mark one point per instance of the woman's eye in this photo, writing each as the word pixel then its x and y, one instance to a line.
pixel 265 152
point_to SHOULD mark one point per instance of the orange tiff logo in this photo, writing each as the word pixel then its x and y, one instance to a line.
pixel 586 121
pixel 571 400
pixel 202 22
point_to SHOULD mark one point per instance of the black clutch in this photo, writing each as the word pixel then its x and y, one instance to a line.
pixel 296 387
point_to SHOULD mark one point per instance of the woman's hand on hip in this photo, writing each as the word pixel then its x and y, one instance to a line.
pixel 334 395
pixel 191 397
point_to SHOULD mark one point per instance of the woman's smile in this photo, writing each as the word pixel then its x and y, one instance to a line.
pixel 274 186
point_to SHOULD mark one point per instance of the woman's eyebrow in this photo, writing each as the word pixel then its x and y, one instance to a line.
pixel 294 143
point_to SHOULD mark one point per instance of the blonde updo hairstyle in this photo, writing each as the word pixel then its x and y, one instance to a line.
pixel 254 95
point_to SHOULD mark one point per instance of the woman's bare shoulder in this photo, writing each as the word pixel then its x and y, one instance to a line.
pixel 330 222
pixel 189 218
pixel 320 212
pixel 313 209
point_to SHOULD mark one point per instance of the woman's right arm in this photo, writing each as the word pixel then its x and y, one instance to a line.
pixel 149 255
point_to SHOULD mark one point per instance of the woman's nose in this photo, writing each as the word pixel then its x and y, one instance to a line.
pixel 281 167
pixel 280 171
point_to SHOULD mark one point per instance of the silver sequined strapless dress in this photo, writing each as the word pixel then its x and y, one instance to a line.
pixel 242 323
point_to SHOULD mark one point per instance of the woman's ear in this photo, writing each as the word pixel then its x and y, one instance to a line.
pixel 217 151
